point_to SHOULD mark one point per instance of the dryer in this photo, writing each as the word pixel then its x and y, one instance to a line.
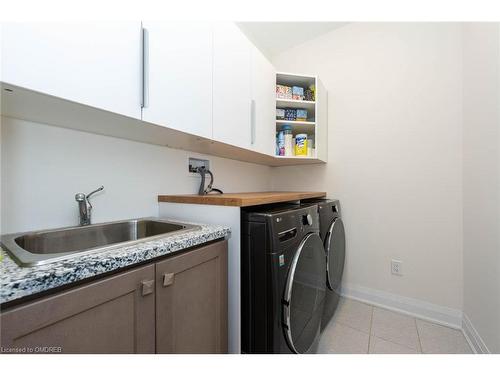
pixel 283 280
pixel 333 236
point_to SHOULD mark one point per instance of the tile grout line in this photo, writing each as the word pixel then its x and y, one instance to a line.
pixel 418 336
pixel 370 331
pixel 351 327
pixel 419 346
pixel 356 328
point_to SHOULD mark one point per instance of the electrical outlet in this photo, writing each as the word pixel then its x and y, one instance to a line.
pixel 397 267
pixel 194 163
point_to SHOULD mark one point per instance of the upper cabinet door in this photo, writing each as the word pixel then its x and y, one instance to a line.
pixel 232 101
pixel 96 64
pixel 264 103
pixel 179 79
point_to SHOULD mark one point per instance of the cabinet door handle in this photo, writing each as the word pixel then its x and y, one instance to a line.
pixel 168 279
pixel 252 121
pixel 148 287
pixel 145 68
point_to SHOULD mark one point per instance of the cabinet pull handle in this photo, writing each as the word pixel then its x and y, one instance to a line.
pixel 148 287
pixel 252 121
pixel 145 68
pixel 168 279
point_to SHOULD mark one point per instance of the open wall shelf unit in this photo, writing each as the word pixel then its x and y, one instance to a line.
pixel 315 124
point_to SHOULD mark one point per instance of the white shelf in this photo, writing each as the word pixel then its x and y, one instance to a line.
pixel 295 101
pixel 292 122
pixel 293 79
pixel 291 103
pixel 295 157
pixel 296 160
pixel 307 127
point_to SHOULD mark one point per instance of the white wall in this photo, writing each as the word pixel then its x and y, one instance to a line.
pixel 395 152
pixel 481 171
pixel 44 166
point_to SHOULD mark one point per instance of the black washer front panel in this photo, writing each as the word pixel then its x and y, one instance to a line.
pixel 335 254
pixel 305 294
pixel 270 241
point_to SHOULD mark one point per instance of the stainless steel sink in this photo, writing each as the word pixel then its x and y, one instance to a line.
pixel 40 247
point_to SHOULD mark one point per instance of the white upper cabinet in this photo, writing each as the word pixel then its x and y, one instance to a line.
pixel 179 76
pixel 263 76
pixel 96 64
pixel 191 80
pixel 232 100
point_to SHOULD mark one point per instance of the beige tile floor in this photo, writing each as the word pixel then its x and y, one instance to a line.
pixel 361 328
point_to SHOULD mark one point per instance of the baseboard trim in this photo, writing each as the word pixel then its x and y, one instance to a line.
pixel 405 305
pixel 472 336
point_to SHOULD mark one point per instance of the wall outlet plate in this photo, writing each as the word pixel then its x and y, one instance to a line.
pixel 194 163
pixel 397 267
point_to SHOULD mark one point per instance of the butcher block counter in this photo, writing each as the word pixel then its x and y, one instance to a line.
pixel 242 199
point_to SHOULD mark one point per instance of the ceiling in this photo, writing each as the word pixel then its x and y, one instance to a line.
pixel 272 38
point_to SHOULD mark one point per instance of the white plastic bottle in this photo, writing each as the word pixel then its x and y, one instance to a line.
pixel 287 129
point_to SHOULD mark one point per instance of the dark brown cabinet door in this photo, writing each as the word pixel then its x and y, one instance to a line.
pixel 191 301
pixel 113 315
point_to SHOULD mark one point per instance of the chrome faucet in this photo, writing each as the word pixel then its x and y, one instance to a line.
pixel 85 207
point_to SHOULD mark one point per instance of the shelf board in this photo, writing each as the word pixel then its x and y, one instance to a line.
pixel 298 126
pixel 295 157
pixel 291 103
pixel 292 79
pixel 295 101
pixel 295 122
pixel 296 160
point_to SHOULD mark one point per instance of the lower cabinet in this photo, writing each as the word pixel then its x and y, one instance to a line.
pixel 191 302
pixel 112 315
pixel 177 305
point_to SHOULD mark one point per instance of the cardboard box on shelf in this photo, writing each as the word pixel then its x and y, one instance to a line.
pixel 301 114
pixel 283 92
pixel 290 114
pixel 297 93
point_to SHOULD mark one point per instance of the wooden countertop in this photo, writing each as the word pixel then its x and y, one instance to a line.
pixel 242 199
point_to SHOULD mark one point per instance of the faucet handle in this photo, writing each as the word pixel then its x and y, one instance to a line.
pixel 95 191
pixel 92 193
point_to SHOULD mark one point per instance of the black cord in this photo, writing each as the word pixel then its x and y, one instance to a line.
pixel 218 191
pixel 202 191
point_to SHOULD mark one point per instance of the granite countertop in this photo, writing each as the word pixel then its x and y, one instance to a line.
pixel 17 282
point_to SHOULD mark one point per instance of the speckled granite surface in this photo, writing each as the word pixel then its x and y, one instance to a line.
pixel 17 282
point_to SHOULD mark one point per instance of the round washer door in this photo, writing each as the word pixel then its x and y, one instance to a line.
pixel 335 253
pixel 304 294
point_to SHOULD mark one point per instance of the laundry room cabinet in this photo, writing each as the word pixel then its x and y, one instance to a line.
pixel 178 76
pixel 232 92
pixel 209 80
pixel 174 305
pixel 263 110
pixel 243 91
pixel 198 86
pixel 112 315
pixel 191 302
pixel 93 63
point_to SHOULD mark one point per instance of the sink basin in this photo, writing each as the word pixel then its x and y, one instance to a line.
pixel 40 247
